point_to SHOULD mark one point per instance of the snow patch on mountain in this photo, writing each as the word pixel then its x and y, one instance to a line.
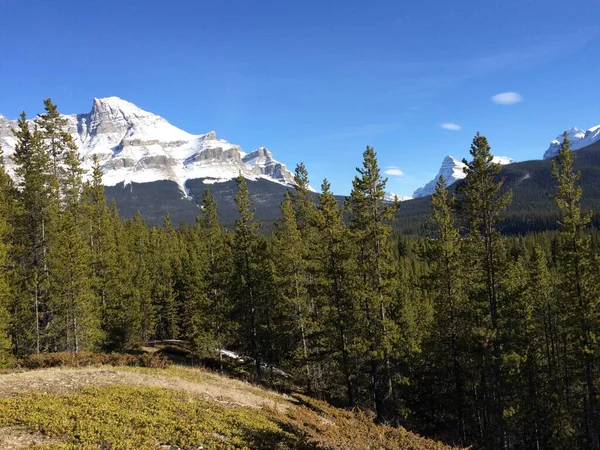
pixel 138 146
pixel 452 170
pixel 391 197
pixel 578 139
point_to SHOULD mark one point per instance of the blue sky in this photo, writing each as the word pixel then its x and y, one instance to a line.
pixel 317 81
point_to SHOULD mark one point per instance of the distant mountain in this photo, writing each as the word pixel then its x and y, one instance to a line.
pixel 136 146
pixel 391 197
pixel 578 139
pixel 531 182
pixel 452 171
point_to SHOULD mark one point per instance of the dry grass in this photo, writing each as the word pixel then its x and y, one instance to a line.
pixel 67 408
pixel 206 385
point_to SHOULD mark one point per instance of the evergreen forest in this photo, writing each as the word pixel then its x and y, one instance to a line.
pixel 465 335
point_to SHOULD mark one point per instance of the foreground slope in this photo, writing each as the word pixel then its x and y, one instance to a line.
pixel 175 408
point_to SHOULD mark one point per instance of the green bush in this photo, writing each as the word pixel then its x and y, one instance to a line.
pixel 127 417
pixel 84 359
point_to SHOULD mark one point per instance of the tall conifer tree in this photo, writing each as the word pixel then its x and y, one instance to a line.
pixel 36 212
pixel 370 224
pixel 6 294
pixel 483 202
pixel 579 292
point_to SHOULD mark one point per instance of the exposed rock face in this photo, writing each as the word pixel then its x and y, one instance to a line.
pixel 134 145
pixel 261 163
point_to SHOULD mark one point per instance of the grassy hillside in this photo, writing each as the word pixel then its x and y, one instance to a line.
pixel 109 407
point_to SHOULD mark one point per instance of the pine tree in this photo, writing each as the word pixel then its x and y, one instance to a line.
pixel 6 212
pixel 123 282
pixel 252 283
pixel 290 269
pixel 545 401
pixel 578 291
pixel 370 218
pixel 36 212
pixel 76 320
pixel 334 275
pixel 445 282
pixel 142 267
pixel 165 247
pixel 59 142
pixel 197 323
pixel 109 264
pixel 217 248
pixel 483 202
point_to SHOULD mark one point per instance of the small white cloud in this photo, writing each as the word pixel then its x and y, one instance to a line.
pixel 450 126
pixel 393 171
pixel 507 98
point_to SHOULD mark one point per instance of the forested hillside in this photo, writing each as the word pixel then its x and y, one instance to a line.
pixel 532 209
pixel 463 335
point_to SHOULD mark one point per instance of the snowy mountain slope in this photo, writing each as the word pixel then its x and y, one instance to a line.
pixel 137 146
pixel 391 197
pixel 452 171
pixel 577 137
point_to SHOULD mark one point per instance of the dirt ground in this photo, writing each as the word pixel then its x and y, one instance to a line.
pixel 14 438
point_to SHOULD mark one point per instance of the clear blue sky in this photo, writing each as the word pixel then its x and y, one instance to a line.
pixel 316 81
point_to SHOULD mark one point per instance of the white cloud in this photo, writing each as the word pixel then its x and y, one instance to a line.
pixel 450 126
pixel 393 171
pixel 507 98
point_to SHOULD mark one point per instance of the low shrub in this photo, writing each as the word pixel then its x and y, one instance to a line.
pixel 128 417
pixel 85 359
pixel 318 425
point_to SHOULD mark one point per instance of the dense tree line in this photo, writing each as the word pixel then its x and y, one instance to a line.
pixel 466 335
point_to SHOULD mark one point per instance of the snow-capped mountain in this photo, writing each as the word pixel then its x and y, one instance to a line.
pixel 137 146
pixel 577 137
pixel 391 197
pixel 452 171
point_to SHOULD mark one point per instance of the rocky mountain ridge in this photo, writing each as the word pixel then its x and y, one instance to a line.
pixel 137 146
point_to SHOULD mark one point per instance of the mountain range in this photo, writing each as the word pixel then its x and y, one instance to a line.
pixel 154 167
pixel 136 146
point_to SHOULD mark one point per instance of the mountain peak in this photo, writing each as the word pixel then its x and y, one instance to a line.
pixel 138 146
pixel 577 137
pixel 452 171
pixel 116 106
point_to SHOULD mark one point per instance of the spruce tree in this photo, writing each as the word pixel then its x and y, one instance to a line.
pixel 483 202
pixel 65 171
pixel 579 293
pixel 370 225
pixel 290 269
pixel 165 260
pixel 76 323
pixel 445 280
pixel 6 294
pixel 216 246
pixel 252 284
pixel 335 287
pixel 310 309
pixel 123 282
pixel 142 267
pixel 197 323
pixel 37 211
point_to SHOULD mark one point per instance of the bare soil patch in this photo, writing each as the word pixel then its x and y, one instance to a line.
pixel 14 438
